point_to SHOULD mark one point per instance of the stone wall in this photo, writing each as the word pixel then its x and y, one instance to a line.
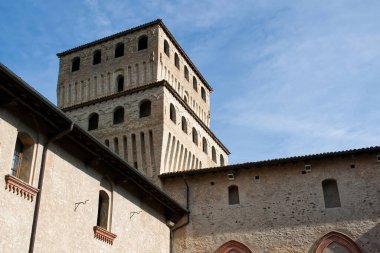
pixel 281 209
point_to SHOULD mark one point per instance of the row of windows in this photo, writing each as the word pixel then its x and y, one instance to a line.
pixel 194 133
pixel 185 71
pixel 329 188
pixel 118 52
pixel 145 109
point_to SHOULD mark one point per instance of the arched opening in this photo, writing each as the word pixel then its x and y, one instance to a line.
pixel 143 43
pixel 184 124
pixel 335 242
pixel 173 113
pixel 195 136
pixel 103 209
pixel 118 115
pixel 97 57
pixel 93 121
pixel 330 193
pixel 23 157
pixel 107 142
pixel 221 160
pixel 176 60
pixel 203 94
pixel 186 73
pixel 119 50
pixel 233 195
pixel 204 145
pixel 195 84
pixel 145 108
pixel 166 48
pixel 213 154
pixel 75 64
pixel 233 247
pixel 120 83
pixel 116 145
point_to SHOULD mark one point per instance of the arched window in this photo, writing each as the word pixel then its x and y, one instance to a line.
pixel 184 124
pixel 330 193
pixel 186 73
pixel 233 195
pixel 195 136
pixel 185 99
pixel 233 247
pixel 120 83
pixel 119 50
pixel 204 145
pixel 195 84
pixel 335 242
pixel 143 43
pixel 203 94
pixel 166 48
pixel 22 157
pixel 173 113
pixel 213 154
pixel 221 160
pixel 75 64
pixel 145 108
pixel 97 57
pixel 93 121
pixel 116 145
pixel 107 142
pixel 103 209
pixel 118 115
pixel 176 60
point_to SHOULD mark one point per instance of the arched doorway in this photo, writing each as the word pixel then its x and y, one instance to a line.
pixel 335 242
pixel 233 247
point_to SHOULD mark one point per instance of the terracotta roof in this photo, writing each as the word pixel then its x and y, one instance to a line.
pixel 150 86
pixel 274 162
pixel 14 89
pixel 135 29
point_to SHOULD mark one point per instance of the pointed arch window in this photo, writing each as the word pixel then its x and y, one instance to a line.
pixel 166 48
pixel 173 114
pixel 176 60
pixel 204 145
pixel 336 242
pixel 233 195
pixel 103 209
pixel 119 50
pixel 195 136
pixel 93 121
pixel 203 94
pixel 184 124
pixel 195 84
pixel 145 108
pixel 213 154
pixel 118 115
pixel 97 57
pixel 143 43
pixel 186 73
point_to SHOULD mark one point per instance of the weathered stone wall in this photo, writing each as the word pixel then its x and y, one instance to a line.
pixel 283 210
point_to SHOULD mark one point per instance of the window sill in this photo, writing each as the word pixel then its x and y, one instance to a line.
pixel 20 187
pixel 103 235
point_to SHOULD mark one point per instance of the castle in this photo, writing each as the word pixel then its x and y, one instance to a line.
pixel 128 163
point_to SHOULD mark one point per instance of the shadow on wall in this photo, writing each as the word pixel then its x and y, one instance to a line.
pixel 370 239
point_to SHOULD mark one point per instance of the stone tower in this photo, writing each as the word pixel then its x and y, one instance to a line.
pixel 140 94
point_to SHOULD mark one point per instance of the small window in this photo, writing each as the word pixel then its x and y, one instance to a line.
pixel 176 60
pixel 22 157
pixel 120 83
pixel 221 160
pixel 195 136
pixel 195 84
pixel 203 94
pixel 107 142
pixel 330 193
pixel 173 115
pixel 204 145
pixel 186 73
pixel 145 108
pixel 184 124
pixel 97 57
pixel 103 209
pixel 233 195
pixel 75 64
pixel 143 43
pixel 166 48
pixel 93 121
pixel 119 50
pixel 213 154
pixel 118 116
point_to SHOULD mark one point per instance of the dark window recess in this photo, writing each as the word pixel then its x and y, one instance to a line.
pixel 353 166
pixel 195 84
pixel 120 83
pixel 176 60
pixel 118 116
pixel 145 108
pixel 97 57
pixel 221 160
pixel 204 145
pixel 143 43
pixel 203 94
pixel 186 73
pixel 184 124
pixel 195 136
pixel 213 154
pixel 173 115
pixel 166 48
pixel 233 195
pixel 103 207
pixel 93 121
pixel 75 64
pixel 119 50
pixel 330 193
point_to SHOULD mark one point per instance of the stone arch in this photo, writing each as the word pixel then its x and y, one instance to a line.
pixel 335 237
pixel 233 247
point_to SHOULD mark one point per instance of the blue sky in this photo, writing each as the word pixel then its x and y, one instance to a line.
pixel 290 77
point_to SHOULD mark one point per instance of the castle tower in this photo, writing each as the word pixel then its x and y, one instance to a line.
pixel 140 94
